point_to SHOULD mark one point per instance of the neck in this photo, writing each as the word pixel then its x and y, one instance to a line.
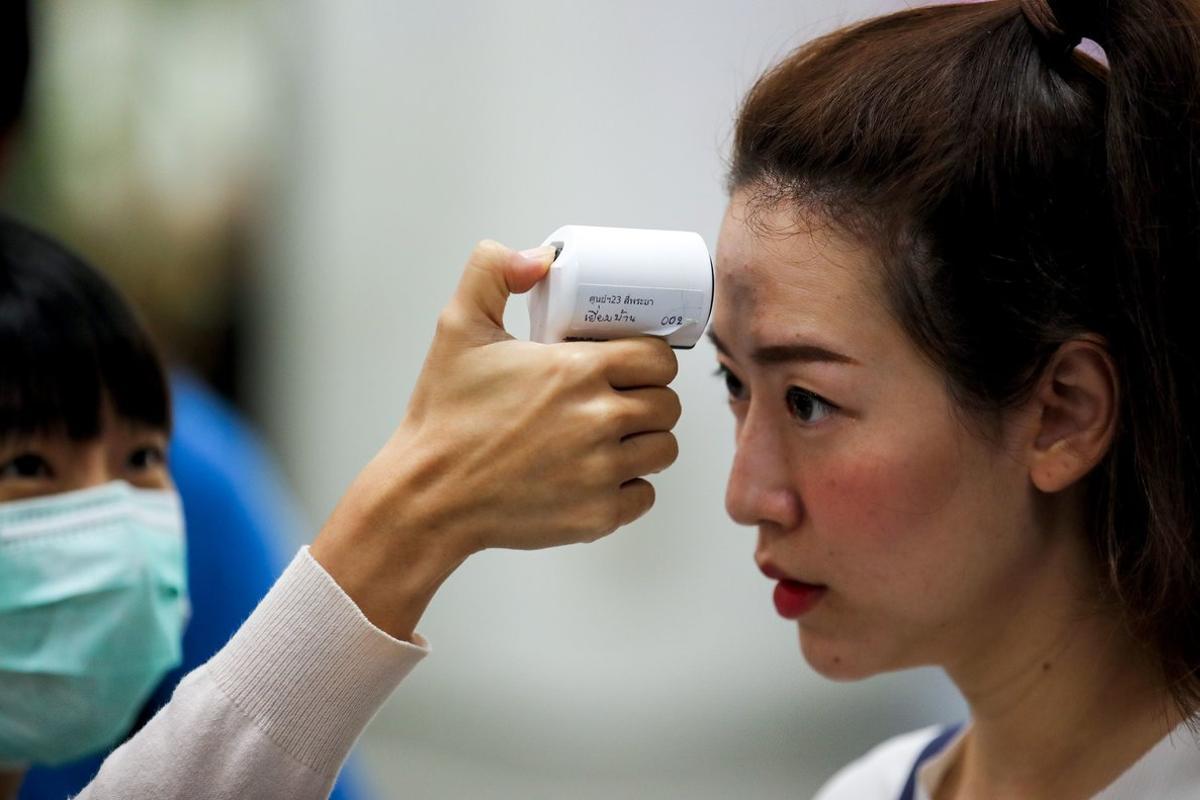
pixel 1063 699
pixel 10 782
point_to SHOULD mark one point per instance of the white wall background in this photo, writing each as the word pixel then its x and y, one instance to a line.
pixel 651 664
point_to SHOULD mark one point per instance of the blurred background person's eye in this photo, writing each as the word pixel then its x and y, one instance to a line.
pixel 25 466
pixel 147 457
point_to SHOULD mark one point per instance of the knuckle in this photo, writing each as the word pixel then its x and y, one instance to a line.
pixel 577 364
pixel 671 446
pixel 486 254
pixel 598 470
pixel 674 406
pixel 644 498
pixel 450 319
pixel 650 495
pixel 671 363
pixel 617 414
pixel 487 249
pixel 604 518
pixel 662 354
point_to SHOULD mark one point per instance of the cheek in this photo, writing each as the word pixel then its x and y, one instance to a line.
pixel 891 508
pixel 890 524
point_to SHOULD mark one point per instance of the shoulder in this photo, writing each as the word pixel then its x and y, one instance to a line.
pixel 881 773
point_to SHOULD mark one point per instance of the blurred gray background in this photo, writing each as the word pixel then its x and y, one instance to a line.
pixel 318 171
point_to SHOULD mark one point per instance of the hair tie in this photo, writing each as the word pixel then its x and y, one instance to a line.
pixel 1060 38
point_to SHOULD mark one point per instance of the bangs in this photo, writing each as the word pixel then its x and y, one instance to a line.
pixel 69 342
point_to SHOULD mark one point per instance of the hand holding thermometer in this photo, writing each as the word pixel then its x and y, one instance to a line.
pixel 610 283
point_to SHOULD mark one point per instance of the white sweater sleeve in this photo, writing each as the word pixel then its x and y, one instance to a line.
pixel 275 712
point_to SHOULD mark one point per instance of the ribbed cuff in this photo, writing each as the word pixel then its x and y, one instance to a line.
pixel 309 668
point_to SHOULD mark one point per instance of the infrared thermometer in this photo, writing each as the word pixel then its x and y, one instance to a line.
pixel 609 283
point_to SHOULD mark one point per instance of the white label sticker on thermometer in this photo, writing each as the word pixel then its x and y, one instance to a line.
pixel 653 311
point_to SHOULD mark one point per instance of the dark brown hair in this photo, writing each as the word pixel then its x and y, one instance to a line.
pixel 1019 193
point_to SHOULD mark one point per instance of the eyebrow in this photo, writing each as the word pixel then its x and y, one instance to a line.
pixel 787 353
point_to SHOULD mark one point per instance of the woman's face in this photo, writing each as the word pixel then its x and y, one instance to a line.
pixel 44 464
pixel 852 464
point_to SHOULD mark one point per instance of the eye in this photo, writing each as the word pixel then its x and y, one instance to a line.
pixel 147 457
pixel 27 466
pixel 807 407
pixel 732 384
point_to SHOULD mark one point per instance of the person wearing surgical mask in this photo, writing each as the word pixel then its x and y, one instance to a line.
pixel 93 595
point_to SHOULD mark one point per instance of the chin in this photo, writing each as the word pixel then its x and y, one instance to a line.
pixel 841 659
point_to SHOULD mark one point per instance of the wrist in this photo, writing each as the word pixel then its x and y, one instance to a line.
pixel 385 546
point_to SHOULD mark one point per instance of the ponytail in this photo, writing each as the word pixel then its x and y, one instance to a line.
pixel 1152 143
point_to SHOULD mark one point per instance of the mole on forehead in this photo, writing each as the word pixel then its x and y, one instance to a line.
pixel 739 291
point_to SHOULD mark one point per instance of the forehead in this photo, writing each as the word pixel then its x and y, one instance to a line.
pixel 782 273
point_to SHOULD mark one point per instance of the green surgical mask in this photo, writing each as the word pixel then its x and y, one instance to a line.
pixel 93 597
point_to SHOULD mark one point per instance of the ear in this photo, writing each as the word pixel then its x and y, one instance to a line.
pixel 1077 397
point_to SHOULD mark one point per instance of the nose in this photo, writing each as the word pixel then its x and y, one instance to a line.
pixel 760 490
pixel 91 465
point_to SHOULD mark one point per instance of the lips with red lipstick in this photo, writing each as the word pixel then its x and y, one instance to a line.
pixel 793 598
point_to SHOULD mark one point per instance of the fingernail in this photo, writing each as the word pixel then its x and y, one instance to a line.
pixel 539 255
